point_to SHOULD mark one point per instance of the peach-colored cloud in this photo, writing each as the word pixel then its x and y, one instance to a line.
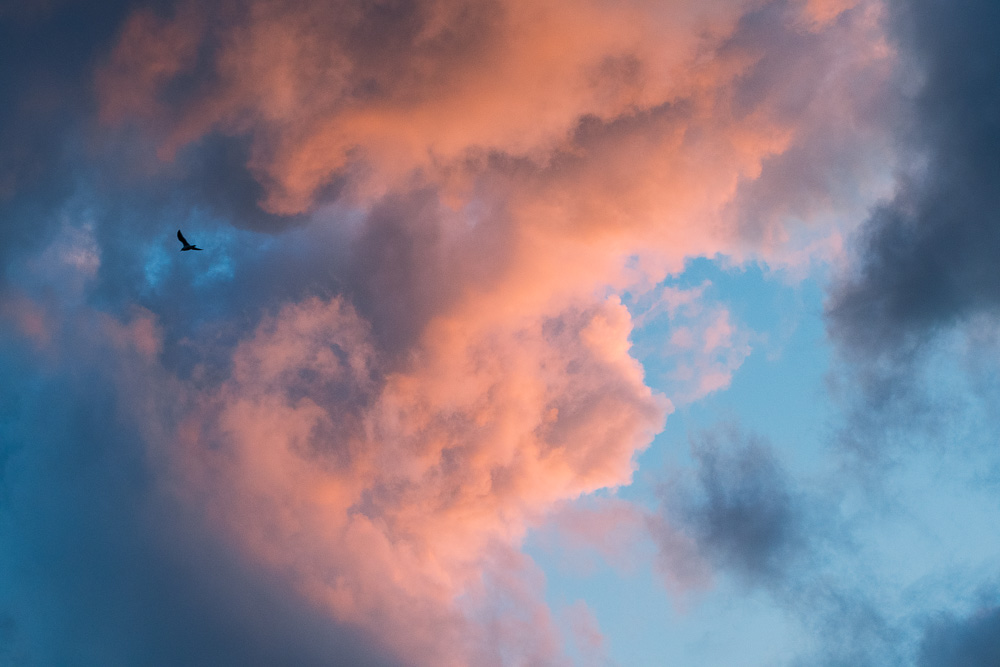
pixel 723 349
pixel 570 149
pixel 819 12
pixel 320 94
pixel 586 634
pixel 402 86
pixel 385 493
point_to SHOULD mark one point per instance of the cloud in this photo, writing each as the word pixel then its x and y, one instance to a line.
pixel 378 496
pixel 961 641
pixel 45 55
pixel 747 520
pixel 926 258
pixel 610 528
pixel 110 568
pixel 359 415
pixel 617 100
pixel 849 626
pixel 696 348
pixel 411 479
pixel 745 514
pixel 921 273
pixel 586 634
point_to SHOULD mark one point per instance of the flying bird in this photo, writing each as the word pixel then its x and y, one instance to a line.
pixel 187 246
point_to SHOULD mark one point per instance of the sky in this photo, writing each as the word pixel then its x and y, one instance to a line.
pixel 571 332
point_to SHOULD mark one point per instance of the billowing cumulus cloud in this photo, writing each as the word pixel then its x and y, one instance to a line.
pixel 380 497
pixel 410 480
pixel 357 417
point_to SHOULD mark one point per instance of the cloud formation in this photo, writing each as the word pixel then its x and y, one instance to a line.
pixel 744 513
pixel 927 258
pixel 90 523
pixel 962 641
pixel 748 520
pixel 359 416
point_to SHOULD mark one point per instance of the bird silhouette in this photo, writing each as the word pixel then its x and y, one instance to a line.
pixel 187 246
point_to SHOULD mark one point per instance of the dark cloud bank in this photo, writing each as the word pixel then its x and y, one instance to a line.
pixel 926 265
pixel 972 641
pixel 928 258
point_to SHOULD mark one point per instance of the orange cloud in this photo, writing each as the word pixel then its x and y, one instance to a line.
pixel 509 159
pixel 380 91
pixel 385 493
pixel 586 633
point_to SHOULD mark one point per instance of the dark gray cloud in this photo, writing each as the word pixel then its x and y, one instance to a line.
pixel 849 625
pixel 753 520
pixel 973 641
pixel 766 528
pixel 928 259
pixel 45 61
pixel 924 272
pixel 745 513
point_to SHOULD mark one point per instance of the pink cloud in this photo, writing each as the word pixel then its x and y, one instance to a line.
pixel 586 634
pixel 387 492
pixel 611 528
pixel 627 109
pixel 821 12
pixel 557 142
pixel 627 536
pixel 313 92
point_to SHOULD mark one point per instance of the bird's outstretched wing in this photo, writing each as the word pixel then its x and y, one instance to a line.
pixel 180 237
